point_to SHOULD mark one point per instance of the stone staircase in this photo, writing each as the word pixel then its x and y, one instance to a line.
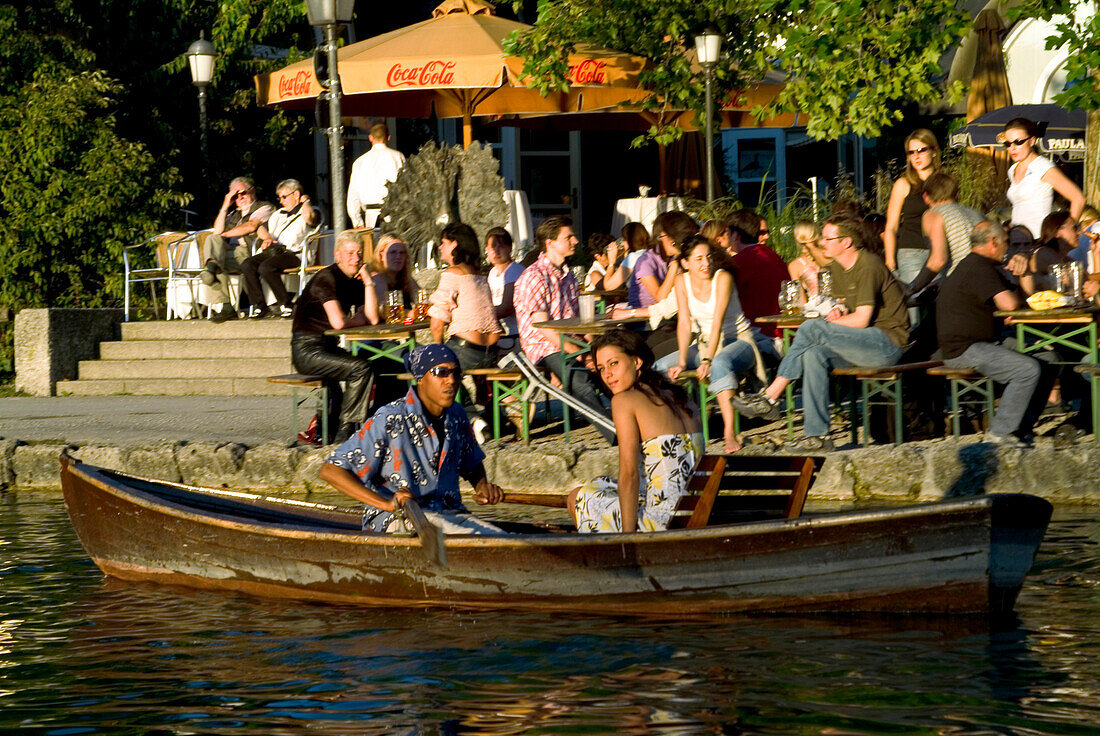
pixel 188 357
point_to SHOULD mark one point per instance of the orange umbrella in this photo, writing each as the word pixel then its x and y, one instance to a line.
pixel 454 65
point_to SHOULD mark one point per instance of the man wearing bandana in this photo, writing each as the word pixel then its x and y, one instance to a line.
pixel 416 447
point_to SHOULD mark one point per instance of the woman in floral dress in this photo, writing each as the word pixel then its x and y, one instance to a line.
pixel 659 440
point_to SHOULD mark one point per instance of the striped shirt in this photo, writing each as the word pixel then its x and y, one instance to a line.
pixel 543 288
pixel 958 222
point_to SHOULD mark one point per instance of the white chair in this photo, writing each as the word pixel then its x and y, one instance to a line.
pixel 171 251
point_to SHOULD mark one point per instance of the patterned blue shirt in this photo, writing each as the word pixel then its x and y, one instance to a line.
pixel 398 449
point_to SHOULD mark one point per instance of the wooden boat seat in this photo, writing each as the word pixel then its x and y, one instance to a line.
pixel 729 489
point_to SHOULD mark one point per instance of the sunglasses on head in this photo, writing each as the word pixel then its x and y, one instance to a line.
pixel 443 371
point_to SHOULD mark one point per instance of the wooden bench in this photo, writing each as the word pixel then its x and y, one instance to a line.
pixel 316 385
pixel 728 489
pixel 506 384
pixel 880 387
pixel 967 388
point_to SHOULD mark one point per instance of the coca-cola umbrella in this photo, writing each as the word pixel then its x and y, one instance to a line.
pixel 454 65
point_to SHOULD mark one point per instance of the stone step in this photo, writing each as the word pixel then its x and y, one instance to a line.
pixel 198 369
pixel 230 348
pixel 175 387
pixel 201 329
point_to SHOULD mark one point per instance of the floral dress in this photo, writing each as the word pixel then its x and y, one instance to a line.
pixel 668 461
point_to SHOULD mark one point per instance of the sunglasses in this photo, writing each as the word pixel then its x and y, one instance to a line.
pixel 1009 144
pixel 919 151
pixel 443 371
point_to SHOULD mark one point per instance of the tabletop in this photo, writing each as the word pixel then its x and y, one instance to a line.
pixel 379 332
pixel 783 320
pixel 1062 314
pixel 577 326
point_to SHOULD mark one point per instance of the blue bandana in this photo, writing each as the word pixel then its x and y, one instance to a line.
pixel 425 357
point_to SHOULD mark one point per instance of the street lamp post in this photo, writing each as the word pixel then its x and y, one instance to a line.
pixel 200 58
pixel 708 46
pixel 330 15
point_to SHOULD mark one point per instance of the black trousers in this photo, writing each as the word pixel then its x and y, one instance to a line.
pixel 582 385
pixel 470 355
pixel 268 265
pixel 321 356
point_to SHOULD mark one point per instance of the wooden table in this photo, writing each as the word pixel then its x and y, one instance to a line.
pixel 568 330
pixel 390 341
pixel 788 324
pixel 1066 327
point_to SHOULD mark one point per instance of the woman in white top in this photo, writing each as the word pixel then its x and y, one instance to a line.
pixel 727 345
pixel 1033 179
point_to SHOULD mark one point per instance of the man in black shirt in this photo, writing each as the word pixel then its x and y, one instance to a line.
pixel 326 303
pixel 971 337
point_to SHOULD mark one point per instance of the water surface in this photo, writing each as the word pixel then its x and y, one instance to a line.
pixel 80 653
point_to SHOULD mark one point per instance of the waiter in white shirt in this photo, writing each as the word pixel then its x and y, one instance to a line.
pixel 370 174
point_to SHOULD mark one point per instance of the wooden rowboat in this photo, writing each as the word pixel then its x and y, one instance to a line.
pixel 962 556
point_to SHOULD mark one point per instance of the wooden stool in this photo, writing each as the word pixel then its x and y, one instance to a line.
pixel 880 387
pixel 965 382
pixel 315 384
pixel 508 384
pixel 704 397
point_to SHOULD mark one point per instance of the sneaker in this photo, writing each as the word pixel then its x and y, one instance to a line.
pixel 222 315
pixel 1004 440
pixel 809 445
pixel 260 313
pixel 757 405
pixel 286 312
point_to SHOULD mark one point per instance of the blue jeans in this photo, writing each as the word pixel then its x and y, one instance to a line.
pixel 734 358
pixel 820 346
pixel 910 262
pixel 1019 373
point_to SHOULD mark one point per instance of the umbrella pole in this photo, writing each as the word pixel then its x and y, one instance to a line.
pixel 467 128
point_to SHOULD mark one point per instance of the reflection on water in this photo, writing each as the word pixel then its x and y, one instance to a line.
pixel 83 654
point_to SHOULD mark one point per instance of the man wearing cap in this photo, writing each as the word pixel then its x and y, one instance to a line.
pixel 416 447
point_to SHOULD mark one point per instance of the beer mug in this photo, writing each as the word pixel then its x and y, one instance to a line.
pixel 790 294
pixel 394 307
pixel 588 307
pixel 825 284
pixel 1060 278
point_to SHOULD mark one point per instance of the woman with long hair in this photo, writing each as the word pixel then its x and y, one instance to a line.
pixel 811 259
pixel 659 443
pixel 905 249
pixel 727 344
pixel 1033 179
pixel 1058 236
pixel 656 270
pixel 391 262
pixel 462 307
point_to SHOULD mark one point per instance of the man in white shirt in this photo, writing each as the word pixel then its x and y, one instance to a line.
pixel 370 175
pixel 282 241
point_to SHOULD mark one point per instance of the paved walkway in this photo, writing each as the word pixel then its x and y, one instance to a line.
pixel 249 420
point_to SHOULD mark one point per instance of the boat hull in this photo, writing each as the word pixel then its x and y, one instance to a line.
pixel 966 556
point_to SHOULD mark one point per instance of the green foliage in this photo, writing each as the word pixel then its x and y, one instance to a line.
pixel 1077 29
pixel 849 64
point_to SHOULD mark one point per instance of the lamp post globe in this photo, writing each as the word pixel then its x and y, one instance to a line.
pixel 329 15
pixel 708 48
pixel 200 59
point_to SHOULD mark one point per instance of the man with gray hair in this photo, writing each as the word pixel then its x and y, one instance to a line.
pixel 282 240
pixel 230 243
pixel 970 336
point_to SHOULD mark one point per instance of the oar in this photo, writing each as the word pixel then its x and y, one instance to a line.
pixel 431 536
pixel 553 500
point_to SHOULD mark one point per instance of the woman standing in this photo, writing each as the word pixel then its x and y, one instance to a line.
pixel 906 250
pixel 1033 179
pixel 462 306
pixel 727 345
pixel 659 443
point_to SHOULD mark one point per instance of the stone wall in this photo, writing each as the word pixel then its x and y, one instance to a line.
pixel 908 473
pixel 50 343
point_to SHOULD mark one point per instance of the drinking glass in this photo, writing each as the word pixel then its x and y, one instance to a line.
pixel 394 305
pixel 588 307
pixel 1058 276
pixel 790 294
pixel 825 284
pixel 1076 278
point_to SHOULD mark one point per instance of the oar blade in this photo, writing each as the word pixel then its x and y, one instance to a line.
pixel 431 536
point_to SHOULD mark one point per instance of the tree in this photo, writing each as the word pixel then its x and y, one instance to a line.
pixel 1077 29
pixel 848 64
